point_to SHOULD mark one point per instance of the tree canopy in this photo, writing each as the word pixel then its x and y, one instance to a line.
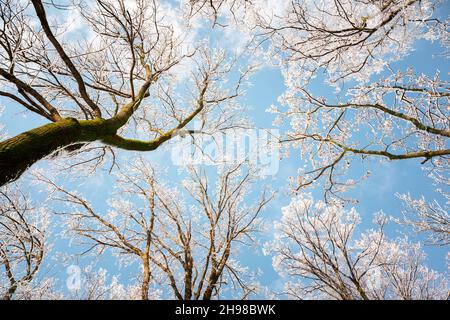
pixel 116 81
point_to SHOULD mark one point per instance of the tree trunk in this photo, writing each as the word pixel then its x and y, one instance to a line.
pixel 214 277
pixel 146 279
pixel 20 152
pixel 9 294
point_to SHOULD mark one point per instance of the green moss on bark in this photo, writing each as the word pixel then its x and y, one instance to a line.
pixel 20 152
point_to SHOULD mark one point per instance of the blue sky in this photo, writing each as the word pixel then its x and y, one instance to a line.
pixel 375 194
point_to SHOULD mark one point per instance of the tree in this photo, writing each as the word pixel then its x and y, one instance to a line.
pixel 345 38
pixel 132 75
pixel 192 249
pixel 215 9
pixel 400 115
pixel 124 67
pixel 430 217
pixel 22 243
pixel 317 248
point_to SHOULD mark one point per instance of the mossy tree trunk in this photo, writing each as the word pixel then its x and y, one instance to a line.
pixel 20 152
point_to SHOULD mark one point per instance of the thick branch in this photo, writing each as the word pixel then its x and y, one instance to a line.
pixel 419 125
pixel 20 152
pixel 40 11
pixel 26 88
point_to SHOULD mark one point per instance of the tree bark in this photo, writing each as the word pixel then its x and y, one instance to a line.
pixel 17 154
pixel 146 278
pixel 20 152
pixel 9 294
